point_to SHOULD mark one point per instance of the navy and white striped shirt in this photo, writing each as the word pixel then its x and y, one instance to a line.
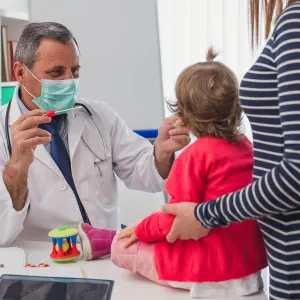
pixel 270 96
pixel 63 130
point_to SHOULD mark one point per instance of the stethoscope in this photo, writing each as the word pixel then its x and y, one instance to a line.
pixel 86 110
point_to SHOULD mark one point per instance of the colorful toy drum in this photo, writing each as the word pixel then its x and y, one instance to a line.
pixel 64 248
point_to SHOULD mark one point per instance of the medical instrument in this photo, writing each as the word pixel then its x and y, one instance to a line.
pixel 86 110
pixel 64 248
pixel 53 113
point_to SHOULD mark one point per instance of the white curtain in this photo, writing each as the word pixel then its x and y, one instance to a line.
pixel 189 27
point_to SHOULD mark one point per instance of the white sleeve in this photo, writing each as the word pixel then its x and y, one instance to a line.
pixel 11 221
pixel 133 156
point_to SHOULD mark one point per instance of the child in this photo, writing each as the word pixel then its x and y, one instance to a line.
pixel 219 162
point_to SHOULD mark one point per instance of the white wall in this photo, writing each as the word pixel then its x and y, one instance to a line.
pixel 120 60
pixel 14 5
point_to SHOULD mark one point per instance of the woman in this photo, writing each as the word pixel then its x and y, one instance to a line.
pixel 270 96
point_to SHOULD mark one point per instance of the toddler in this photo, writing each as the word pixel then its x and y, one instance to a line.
pixel 220 161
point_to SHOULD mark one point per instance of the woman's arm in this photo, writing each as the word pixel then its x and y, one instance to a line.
pixel 278 190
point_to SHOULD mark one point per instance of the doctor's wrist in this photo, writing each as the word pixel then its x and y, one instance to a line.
pixel 17 169
pixel 15 180
pixel 162 156
pixel 163 161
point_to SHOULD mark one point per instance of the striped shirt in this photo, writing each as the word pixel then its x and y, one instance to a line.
pixel 63 131
pixel 270 96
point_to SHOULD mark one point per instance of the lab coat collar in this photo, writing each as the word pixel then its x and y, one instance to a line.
pixel 81 127
pixel 15 112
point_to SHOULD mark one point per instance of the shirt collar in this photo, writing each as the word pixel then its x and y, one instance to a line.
pixel 22 107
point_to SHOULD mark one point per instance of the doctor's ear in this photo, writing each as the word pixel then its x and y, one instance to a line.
pixel 19 71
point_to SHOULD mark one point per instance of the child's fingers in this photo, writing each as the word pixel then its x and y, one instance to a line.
pixel 127 232
pixel 130 241
pixel 124 234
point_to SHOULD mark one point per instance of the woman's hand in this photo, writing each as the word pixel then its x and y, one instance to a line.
pixel 128 233
pixel 185 225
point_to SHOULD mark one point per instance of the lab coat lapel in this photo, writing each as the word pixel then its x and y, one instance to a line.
pixel 40 152
pixel 93 140
pixel 81 126
pixel 44 156
pixel 92 137
pixel 75 129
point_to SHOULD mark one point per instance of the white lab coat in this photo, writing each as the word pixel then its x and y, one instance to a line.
pixel 51 202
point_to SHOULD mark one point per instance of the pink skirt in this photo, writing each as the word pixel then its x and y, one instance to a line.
pixel 137 258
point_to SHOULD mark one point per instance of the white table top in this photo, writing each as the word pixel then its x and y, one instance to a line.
pixel 126 286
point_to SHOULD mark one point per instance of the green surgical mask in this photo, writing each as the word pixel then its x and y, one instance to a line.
pixel 56 94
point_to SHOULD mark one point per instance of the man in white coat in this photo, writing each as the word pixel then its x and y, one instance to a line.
pixel 49 179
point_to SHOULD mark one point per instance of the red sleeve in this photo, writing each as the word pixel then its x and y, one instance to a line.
pixel 186 181
pixel 154 227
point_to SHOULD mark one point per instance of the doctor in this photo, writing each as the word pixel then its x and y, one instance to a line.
pixel 61 170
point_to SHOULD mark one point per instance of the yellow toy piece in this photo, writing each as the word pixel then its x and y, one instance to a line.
pixel 65 246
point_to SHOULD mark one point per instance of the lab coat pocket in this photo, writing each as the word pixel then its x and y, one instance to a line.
pixel 105 180
pixel 98 166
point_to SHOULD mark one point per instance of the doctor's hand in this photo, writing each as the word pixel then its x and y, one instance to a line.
pixel 185 225
pixel 172 135
pixel 26 136
pixel 128 233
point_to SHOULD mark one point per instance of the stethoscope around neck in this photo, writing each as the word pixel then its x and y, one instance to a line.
pixel 9 147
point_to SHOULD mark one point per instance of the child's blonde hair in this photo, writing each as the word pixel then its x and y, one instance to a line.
pixel 208 99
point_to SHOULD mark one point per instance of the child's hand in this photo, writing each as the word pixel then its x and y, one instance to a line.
pixel 128 233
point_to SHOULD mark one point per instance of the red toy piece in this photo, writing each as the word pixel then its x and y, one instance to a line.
pixel 43 265
pixel 30 266
pixel 51 113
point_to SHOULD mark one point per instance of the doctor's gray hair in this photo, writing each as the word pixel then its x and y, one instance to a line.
pixel 33 33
